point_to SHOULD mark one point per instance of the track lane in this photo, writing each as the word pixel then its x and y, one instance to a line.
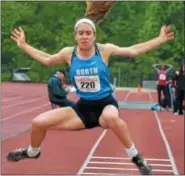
pixel 147 137
pixel 58 150
pixel 65 167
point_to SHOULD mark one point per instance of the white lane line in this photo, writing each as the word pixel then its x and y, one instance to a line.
pixel 169 151
pixel 128 169
pixel 122 158
pixel 128 94
pixel 23 112
pixel 123 163
pixel 23 102
pixel 150 96
pixel 15 134
pixel 10 99
pixel 91 153
pixel 95 146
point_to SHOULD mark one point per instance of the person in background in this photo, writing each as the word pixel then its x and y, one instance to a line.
pixel 58 90
pixel 162 81
pixel 180 92
pixel 174 83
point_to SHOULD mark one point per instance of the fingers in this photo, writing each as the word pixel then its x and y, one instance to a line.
pixel 21 30
pixel 16 31
pixel 166 28
pixel 170 36
pixel 13 38
pixel 166 34
pixel 15 35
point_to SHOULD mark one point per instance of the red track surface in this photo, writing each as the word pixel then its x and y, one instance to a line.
pixel 65 152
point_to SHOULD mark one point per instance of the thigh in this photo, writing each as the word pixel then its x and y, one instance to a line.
pixel 60 119
pixel 69 124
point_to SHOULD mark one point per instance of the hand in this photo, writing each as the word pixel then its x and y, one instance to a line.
pixel 18 36
pixel 165 34
pixel 67 89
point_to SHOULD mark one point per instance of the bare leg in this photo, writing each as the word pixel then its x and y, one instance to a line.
pixel 57 119
pixel 117 125
pixel 110 119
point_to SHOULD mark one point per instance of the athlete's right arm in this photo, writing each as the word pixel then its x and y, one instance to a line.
pixel 47 59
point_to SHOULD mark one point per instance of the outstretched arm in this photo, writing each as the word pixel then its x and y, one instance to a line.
pixel 142 48
pixel 18 36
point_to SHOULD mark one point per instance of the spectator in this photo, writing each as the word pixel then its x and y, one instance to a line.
pixel 180 92
pixel 162 82
pixel 58 90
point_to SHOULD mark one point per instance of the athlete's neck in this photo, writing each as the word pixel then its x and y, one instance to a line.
pixel 85 53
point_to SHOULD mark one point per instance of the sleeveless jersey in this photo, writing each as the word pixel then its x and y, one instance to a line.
pixel 162 78
pixel 90 76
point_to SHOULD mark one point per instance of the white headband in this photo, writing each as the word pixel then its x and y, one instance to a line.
pixel 85 20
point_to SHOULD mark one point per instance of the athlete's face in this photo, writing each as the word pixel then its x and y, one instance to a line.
pixel 85 36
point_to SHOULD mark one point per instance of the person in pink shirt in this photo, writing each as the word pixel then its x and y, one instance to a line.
pixel 162 80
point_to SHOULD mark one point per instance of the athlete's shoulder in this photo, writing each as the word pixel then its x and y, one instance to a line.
pixel 66 53
pixel 67 50
pixel 106 50
pixel 104 47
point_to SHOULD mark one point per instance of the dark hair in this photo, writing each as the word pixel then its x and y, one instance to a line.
pixel 181 71
pixel 62 71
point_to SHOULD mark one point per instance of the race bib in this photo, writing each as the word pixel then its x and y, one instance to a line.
pixel 162 77
pixel 88 83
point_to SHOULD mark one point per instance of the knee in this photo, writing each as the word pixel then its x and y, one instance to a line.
pixel 111 117
pixel 37 123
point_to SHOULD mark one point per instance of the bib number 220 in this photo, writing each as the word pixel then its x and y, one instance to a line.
pixel 87 85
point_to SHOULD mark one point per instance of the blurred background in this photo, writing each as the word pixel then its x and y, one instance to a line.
pixel 49 27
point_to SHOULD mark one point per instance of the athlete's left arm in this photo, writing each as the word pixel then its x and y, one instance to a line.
pixel 141 48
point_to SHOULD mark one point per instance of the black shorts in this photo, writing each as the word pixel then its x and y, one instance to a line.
pixel 90 111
